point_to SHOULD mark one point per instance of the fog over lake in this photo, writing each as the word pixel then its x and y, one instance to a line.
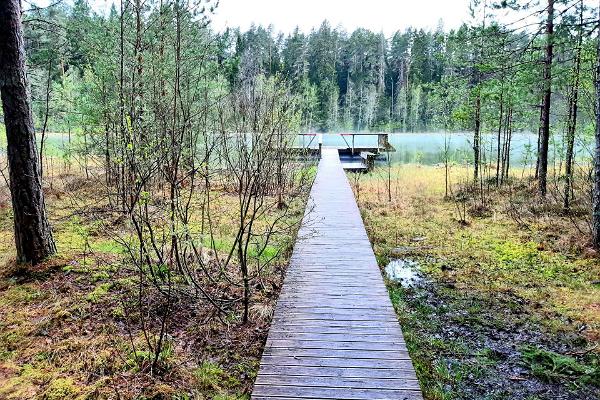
pixel 420 147
pixel 428 147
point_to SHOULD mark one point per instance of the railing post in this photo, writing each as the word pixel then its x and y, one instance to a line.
pixel 320 144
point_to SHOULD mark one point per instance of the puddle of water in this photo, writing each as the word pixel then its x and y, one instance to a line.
pixel 404 271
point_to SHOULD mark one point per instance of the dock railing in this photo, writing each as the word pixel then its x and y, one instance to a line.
pixel 350 142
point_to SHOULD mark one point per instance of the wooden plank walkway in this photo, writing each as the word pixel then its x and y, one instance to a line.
pixel 334 333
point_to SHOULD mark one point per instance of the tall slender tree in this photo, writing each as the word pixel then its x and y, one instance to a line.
pixel 572 117
pixel 546 98
pixel 33 235
pixel 477 90
pixel 596 189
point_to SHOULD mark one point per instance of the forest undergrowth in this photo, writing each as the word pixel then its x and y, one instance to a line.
pixel 74 327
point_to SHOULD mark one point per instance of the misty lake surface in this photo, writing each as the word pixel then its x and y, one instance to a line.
pixel 427 148
pixel 55 144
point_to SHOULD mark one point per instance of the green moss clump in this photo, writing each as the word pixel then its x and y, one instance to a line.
pixel 140 359
pixel 107 246
pixel 23 385
pixel 231 397
pixel 100 276
pixel 118 312
pixel 99 292
pixel 21 294
pixel 60 389
pixel 125 283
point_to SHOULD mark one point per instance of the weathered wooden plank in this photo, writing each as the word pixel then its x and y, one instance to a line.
pixel 334 344
pixel 303 392
pixel 333 352
pixel 322 292
pixel 336 381
pixel 318 274
pixel 333 305
pixel 345 336
pixel 326 298
pixel 334 333
pixel 340 287
pixel 312 371
pixel 385 334
pixel 340 275
pixel 324 312
pixel 335 315
pixel 290 316
pixel 336 362
pixel 350 326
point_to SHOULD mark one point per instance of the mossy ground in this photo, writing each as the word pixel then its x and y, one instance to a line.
pixel 508 307
pixel 64 330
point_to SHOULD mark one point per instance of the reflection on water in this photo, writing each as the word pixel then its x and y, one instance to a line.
pixel 404 271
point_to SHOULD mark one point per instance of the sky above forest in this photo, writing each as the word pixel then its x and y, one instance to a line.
pixel 388 16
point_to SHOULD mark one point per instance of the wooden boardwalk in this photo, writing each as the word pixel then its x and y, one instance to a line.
pixel 334 333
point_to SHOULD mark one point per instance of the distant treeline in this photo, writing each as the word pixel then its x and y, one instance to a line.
pixel 418 80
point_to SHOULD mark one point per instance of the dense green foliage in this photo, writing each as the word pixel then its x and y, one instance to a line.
pixel 415 80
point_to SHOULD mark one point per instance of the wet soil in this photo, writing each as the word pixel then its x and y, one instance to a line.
pixel 472 345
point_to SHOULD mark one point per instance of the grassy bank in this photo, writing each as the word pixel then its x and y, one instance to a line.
pixel 70 328
pixel 508 302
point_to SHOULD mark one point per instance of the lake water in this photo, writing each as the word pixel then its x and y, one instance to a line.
pixel 55 144
pixel 428 147
pixel 424 148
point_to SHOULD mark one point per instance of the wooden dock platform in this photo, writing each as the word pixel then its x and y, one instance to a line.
pixel 334 333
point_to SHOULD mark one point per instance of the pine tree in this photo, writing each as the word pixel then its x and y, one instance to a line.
pixel 33 235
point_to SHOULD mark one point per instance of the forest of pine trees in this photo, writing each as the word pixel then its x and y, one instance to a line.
pixel 413 81
pixel 148 249
pixel 102 76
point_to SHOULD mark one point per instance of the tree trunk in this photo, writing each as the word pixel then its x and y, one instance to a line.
pixel 477 77
pixel 46 117
pixel 477 137
pixel 33 235
pixel 545 120
pixel 572 122
pixel 507 141
pixel 596 191
pixel 498 149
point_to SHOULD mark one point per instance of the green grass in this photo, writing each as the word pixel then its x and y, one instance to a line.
pixel 553 367
pixel 99 292
pixel 209 375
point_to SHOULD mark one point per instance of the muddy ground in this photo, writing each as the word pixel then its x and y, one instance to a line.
pixel 472 345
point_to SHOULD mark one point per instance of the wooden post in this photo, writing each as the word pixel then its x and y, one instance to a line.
pixel 320 144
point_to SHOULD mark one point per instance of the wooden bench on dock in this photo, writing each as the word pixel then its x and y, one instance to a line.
pixel 334 334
